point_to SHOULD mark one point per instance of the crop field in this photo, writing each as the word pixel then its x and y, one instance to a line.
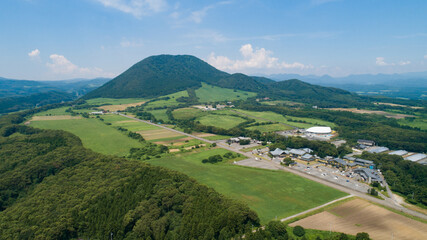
pixel 129 124
pixel 120 107
pixel 167 103
pixel 270 193
pixel 54 117
pixel 363 111
pixel 159 133
pixel 361 216
pixel 54 112
pixel 270 127
pixel 219 120
pixel 94 134
pixel 187 113
pixel 209 93
pixel 275 117
pixel 114 101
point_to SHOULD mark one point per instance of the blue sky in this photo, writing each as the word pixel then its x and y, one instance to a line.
pixel 63 39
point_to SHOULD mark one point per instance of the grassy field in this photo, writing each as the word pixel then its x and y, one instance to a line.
pixel 420 123
pixel 54 112
pixel 270 193
pixel 94 134
pixel 209 93
pixel 170 102
pixel 219 120
pixel 129 124
pixel 187 113
pixel 275 117
pixel 270 127
pixel 114 101
pixel 160 114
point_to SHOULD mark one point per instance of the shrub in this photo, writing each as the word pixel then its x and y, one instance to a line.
pixel 299 231
pixel 362 236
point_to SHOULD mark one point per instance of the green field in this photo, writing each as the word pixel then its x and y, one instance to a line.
pixel 270 127
pixel 54 112
pixel 160 114
pixel 275 117
pixel 94 134
pixel 270 193
pixel 114 101
pixel 129 124
pixel 217 137
pixel 167 103
pixel 221 121
pixel 187 113
pixel 209 93
pixel 420 123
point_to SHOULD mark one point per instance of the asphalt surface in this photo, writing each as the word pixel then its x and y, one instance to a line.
pixel 388 202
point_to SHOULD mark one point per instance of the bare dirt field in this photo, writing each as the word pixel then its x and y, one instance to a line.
pixel 158 134
pixel 397 105
pixel 120 107
pixel 203 134
pixel 176 142
pixel 361 216
pixel 59 117
pixel 174 150
pixel 386 114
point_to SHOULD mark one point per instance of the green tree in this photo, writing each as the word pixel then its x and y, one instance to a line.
pixel 362 236
pixel 299 231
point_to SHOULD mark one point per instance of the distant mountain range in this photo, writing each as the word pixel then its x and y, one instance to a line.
pixel 75 87
pixel 18 95
pixel 165 74
pixel 404 85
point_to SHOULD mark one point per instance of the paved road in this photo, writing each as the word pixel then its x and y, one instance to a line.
pixel 264 119
pixel 321 206
pixel 388 202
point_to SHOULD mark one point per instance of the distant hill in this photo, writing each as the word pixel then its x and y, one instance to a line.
pixel 165 74
pixel 404 85
pixel 76 87
pixel 13 104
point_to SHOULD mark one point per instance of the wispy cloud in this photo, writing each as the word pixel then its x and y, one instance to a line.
pixel 34 53
pixel 137 8
pixel 182 17
pixel 425 56
pixel 414 35
pixel 380 61
pixel 131 43
pixel 60 65
pixel 258 59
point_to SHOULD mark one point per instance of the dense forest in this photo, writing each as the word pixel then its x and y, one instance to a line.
pixel 13 104
pixel 405 177
pixel 53 188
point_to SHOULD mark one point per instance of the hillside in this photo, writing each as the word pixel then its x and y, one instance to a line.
pixel 53 188
pixel 13 104
pixel 165 74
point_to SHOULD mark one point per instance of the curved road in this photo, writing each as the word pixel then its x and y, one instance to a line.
pixel 388 202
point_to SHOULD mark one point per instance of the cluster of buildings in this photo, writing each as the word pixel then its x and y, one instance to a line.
pixel 321 133
pixel 212 107
pixel 369 146
pixel 365 168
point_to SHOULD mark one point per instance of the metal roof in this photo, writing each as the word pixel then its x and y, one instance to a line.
pixel 398 152
pixel 277 152
pixel 378 149
pixel 416 157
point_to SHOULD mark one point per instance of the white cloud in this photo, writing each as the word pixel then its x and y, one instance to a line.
pixel 380 61
pixel 34 53
pixel 137 8
pixel 131 43
pixel 425 56
pixel 60 65
pixel 255 60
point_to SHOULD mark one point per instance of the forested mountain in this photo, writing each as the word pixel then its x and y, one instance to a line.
pixel 51 187
pixel 12 104
pixel 165 74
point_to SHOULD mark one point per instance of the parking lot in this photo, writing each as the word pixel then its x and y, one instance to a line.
pixel 334 175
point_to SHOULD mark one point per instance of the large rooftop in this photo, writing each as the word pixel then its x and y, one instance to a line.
pixel 319 130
